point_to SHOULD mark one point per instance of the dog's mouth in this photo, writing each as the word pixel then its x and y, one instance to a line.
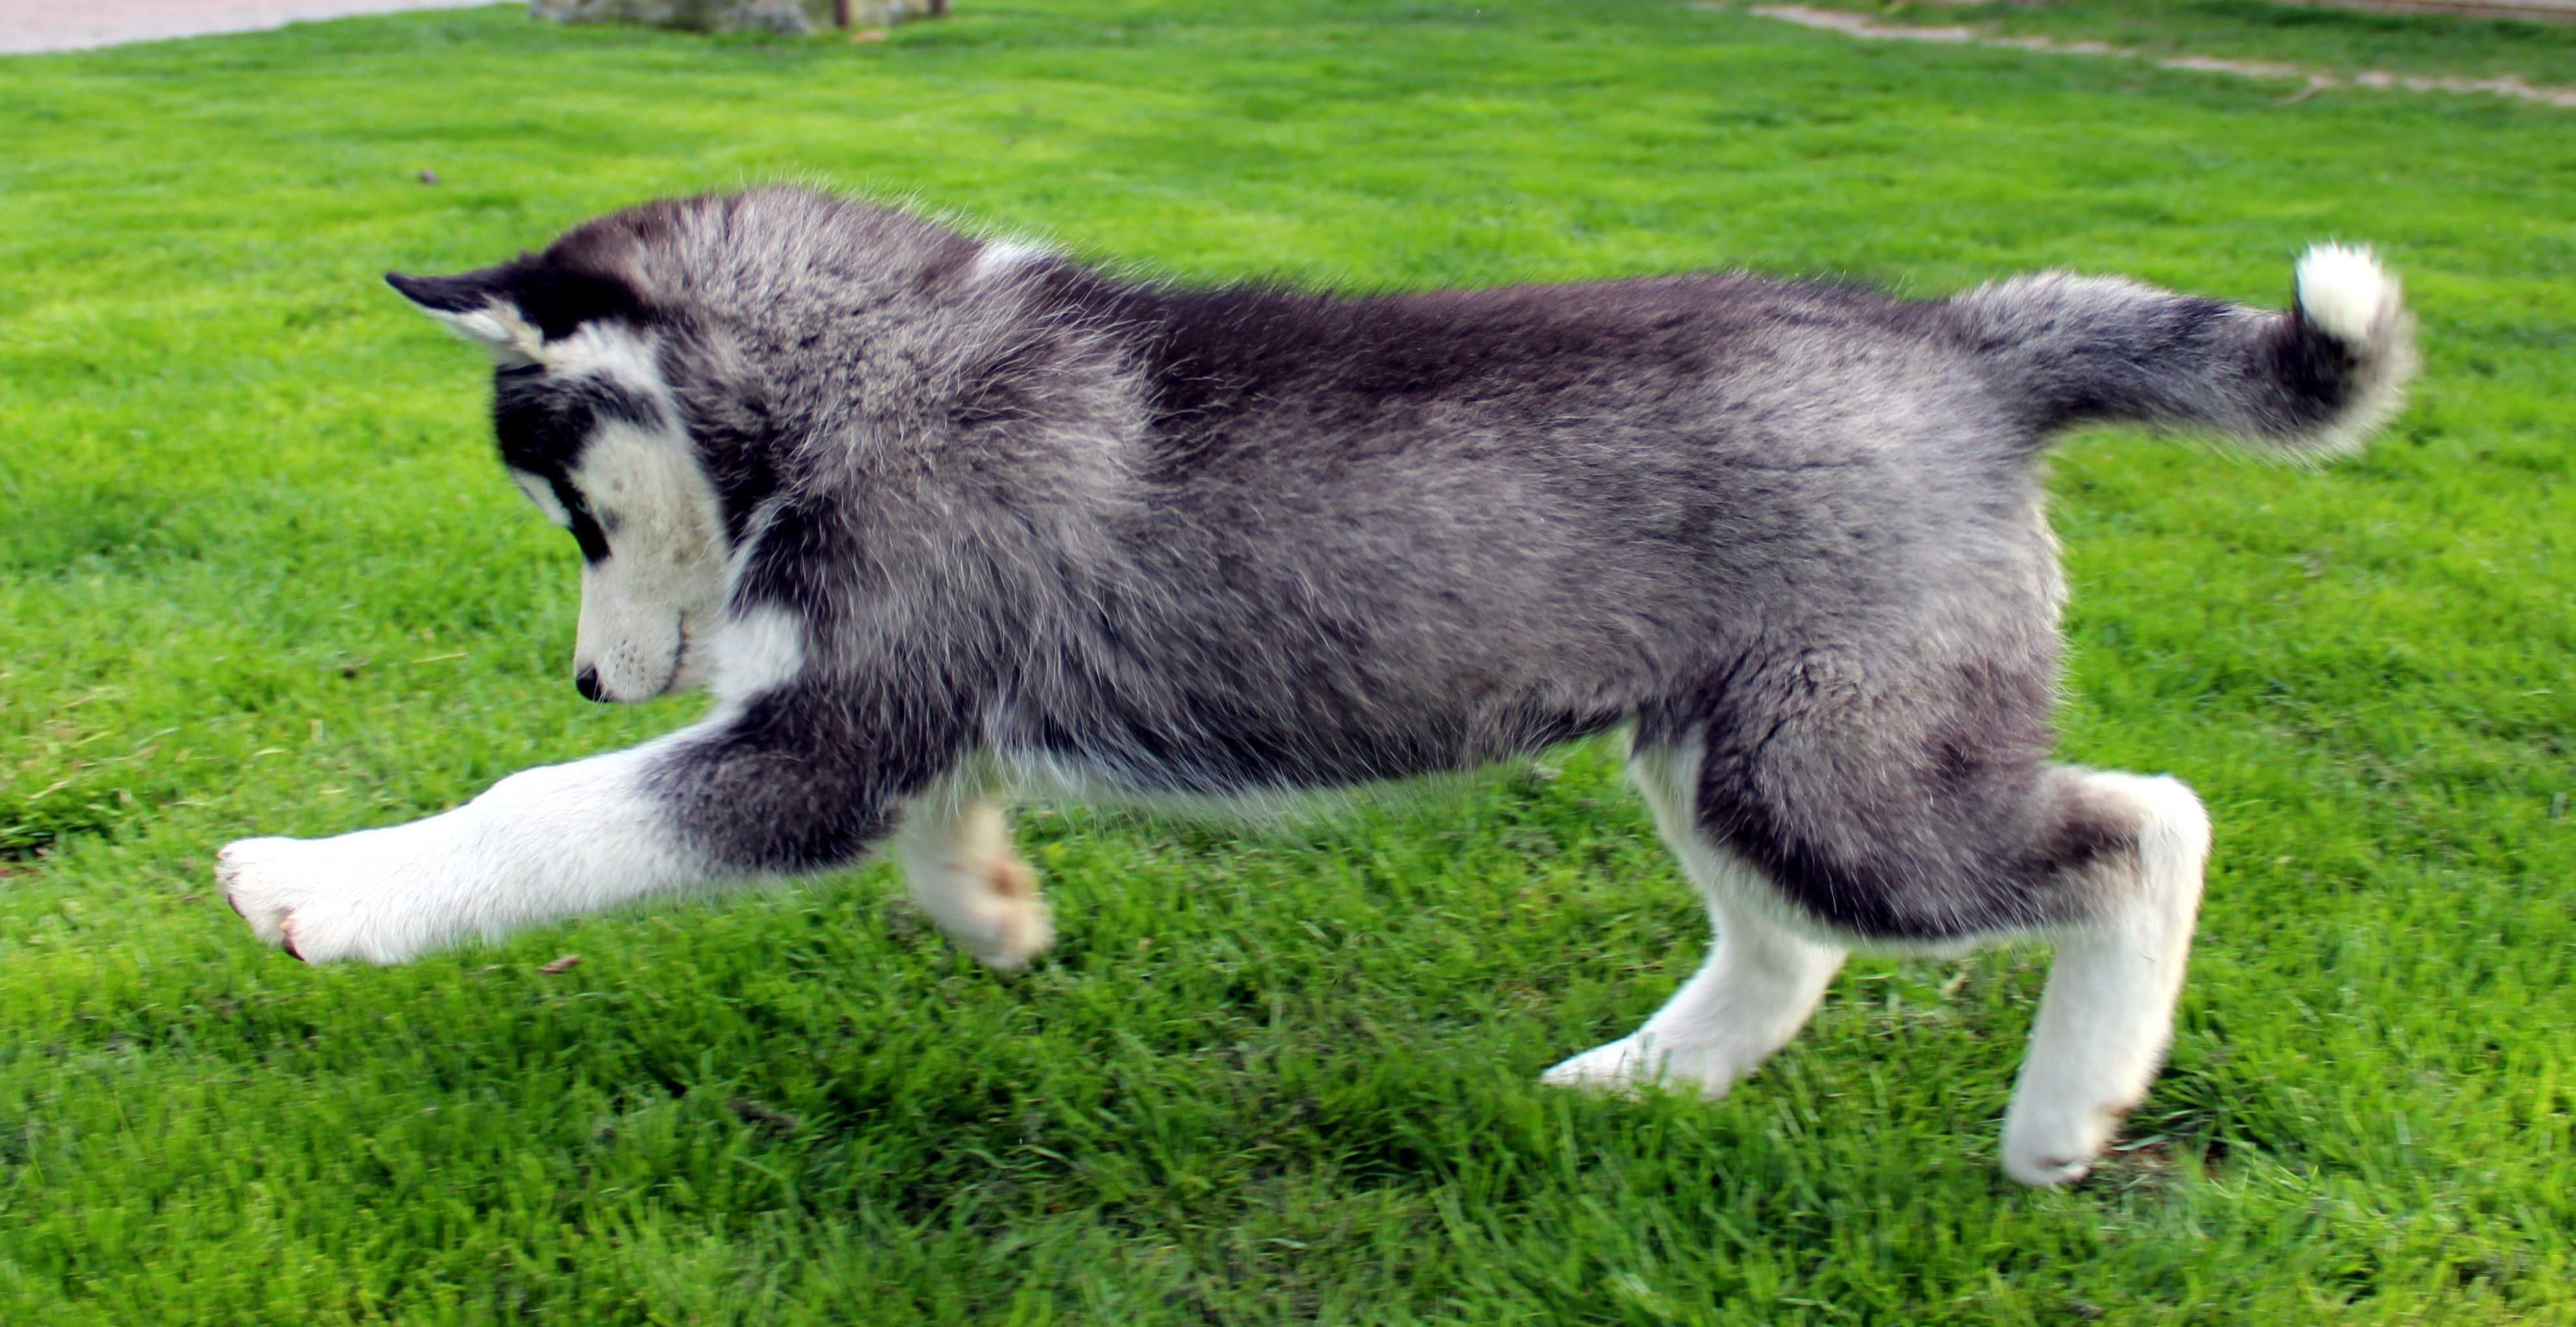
pixel 678 677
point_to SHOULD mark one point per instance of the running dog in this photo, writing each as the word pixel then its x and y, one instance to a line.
pixel 944 520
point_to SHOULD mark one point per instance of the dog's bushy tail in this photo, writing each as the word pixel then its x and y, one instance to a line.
pixel 2314 382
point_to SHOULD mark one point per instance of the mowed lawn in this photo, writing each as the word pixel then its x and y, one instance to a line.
pixel 260 573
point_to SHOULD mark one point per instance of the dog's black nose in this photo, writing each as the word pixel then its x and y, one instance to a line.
pixel 587 683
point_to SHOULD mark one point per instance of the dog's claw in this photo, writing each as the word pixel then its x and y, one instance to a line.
pixel 247 872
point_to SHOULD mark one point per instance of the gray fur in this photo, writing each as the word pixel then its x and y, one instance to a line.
pixel 1232 540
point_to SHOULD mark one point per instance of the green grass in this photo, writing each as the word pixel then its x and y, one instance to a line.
pixel 259 573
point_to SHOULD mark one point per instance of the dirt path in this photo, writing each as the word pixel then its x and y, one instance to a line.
pixel 2315 80
pixel 72 25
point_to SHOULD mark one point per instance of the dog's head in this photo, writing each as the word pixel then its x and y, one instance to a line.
pixel 591 430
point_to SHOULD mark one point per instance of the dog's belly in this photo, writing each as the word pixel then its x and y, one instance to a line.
pixel 1202 751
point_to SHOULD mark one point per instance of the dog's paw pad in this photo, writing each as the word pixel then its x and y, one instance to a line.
pixel 1010 878
pixel 1018 929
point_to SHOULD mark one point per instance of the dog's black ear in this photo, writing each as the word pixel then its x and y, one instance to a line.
pixel 483 307
pixel 447 294
pixel 514 309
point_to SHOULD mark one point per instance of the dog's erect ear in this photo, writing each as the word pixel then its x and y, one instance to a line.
pixel 480 306
pixel 514 309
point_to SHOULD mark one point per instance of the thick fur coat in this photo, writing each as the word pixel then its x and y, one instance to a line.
pixel 941 518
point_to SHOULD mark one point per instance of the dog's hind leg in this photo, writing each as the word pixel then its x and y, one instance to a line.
pixel 960 866
pixel 1942 858
pixel 1756 988
pixel 1841 831
pixel 2107 1016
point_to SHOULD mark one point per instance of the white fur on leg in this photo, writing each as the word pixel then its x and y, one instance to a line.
pixel 544 843
pixel 1757 988
pixel 962 870
pixel 2108 1015
pixel 1758 985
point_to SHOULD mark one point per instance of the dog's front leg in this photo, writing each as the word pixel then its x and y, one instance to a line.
pixel 547 842
pixel 752 793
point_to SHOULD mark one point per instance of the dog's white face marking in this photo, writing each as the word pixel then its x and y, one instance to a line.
pixel 653 575
pixel 654 571
pixel 543 497
pixel 612 351
pixel 650 607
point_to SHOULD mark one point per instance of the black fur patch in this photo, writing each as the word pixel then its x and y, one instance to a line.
pixel 543 423
pixel 2315 371
pixel 555 298
pixel 798 781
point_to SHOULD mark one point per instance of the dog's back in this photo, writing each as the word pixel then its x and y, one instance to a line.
pixel 1368 537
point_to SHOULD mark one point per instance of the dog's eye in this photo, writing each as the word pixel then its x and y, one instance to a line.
pixel 575 506
pixel 573 511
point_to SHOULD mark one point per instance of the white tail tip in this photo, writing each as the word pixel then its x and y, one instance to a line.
pixel 2346 294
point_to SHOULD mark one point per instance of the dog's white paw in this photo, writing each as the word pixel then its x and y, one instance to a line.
pixel 1009 923
pixel 963 870
pixel 260 880
pixel 1613 1070
pixel 1630 1064
pixel 2049 1143
pixel 321 900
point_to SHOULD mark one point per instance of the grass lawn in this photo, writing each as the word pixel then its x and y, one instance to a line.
pixel 259 573
pixel 2288 32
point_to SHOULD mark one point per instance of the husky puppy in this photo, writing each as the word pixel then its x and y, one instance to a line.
pixel 938 518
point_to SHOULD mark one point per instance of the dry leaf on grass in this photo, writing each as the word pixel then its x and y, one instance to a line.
pixel 768 1119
